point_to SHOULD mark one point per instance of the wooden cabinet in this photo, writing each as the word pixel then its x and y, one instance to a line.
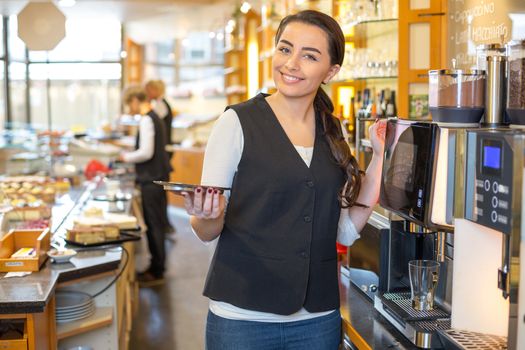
pixel 241 68
pixel 234 74
pixel 422 47
pixel 38 330
pixel 187 165
pixel 133 63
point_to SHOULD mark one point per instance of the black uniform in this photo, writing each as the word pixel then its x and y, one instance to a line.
pixel 154 202
pixel 277 250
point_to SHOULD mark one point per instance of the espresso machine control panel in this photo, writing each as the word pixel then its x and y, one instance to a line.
pixel 489 179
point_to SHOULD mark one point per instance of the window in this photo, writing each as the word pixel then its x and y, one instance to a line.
pixel 81 95
pixel 196 67
pixel 84 73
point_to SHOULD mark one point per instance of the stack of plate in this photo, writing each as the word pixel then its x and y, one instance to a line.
pixel 72 306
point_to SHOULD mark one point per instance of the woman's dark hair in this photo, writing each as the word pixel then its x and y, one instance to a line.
pixel 324 106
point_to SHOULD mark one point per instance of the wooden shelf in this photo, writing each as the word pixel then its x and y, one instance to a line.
pixel 233 93
pixel 87 278
pixel 386 77
pixel 103 317
pixel 231 70
pixel 232 49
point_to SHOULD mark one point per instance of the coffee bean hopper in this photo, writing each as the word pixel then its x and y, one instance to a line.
pixel 516 82
pixel 456 95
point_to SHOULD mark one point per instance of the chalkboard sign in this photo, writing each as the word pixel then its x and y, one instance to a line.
pixel 475 22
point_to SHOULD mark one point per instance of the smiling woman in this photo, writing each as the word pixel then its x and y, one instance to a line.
pixel 295 190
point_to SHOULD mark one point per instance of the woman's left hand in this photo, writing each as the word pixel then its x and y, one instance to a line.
pixel 377 133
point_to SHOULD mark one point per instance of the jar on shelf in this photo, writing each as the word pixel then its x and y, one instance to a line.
pixel 516 82
pixel 482 51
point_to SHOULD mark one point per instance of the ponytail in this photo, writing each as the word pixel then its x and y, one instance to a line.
pixel 340 150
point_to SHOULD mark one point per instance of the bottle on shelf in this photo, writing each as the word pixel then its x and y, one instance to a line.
pixel 351 121
pixel 385 96
pixel 364 111
pixel 391 110
pixel 379 99
pixel 357 102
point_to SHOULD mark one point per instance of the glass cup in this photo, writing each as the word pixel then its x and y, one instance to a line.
pixel 424 275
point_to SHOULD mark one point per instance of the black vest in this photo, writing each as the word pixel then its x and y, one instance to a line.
pixel 168 118
pixel 276 252
pixel 157 167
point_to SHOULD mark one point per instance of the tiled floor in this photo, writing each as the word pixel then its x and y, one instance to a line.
pixel 172 316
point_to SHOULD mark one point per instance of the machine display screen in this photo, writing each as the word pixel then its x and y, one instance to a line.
pixel 491 157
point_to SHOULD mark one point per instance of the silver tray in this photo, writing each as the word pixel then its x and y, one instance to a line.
pixel 182 187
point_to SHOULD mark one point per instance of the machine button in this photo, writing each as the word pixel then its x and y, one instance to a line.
pixel 478 211
pixel 494 202
pixel 310 183
pixel 373 288
pixel 479 183
pixel 503 204
pixel 502 219
pixel 307 218
pixel 503 189
pixel 495 187
pixel 494 216
pixel 304 255
pixel 479 197
pixel 487 185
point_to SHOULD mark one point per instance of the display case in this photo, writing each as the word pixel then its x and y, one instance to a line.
pixel 365 88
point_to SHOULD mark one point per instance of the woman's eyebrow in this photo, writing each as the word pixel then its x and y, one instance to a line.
pixel 304 48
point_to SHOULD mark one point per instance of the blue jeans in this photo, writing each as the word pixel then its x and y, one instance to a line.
pixel 320 333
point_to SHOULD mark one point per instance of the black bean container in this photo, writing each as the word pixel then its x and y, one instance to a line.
pixel 515 106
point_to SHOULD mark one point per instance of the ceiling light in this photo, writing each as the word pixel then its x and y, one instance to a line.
pixel 123 54
pixel 245 7
pixel 212 35
pixel 220 36
pixel 66 3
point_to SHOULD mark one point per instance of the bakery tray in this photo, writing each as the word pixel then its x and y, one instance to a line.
pixel 124 236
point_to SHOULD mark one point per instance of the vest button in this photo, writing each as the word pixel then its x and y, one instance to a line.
pixel 304 255
pixel 307 218
pixel 310 184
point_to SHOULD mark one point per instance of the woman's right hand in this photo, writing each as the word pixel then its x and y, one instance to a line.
pixel 209 204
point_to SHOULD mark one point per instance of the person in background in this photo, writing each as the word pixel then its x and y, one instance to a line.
pixel 151 164
pixel 296 190
pixel 155 90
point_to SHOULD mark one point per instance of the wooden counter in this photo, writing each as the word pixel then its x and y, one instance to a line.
pixel 363 326
pixel 30 300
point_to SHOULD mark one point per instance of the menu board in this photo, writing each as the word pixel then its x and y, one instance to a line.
pixel 475 22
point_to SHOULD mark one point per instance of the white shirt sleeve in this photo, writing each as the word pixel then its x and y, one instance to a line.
pixel 346 232
pixel 146 142
pixel 223 151
pixel 222 156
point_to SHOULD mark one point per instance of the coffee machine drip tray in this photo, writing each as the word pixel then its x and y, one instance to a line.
pixel 454 339
pixel 420 327
pixel 401 305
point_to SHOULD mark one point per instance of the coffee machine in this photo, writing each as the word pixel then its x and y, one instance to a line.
pixel 489 230
pixel 422 164
pixel 493 218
